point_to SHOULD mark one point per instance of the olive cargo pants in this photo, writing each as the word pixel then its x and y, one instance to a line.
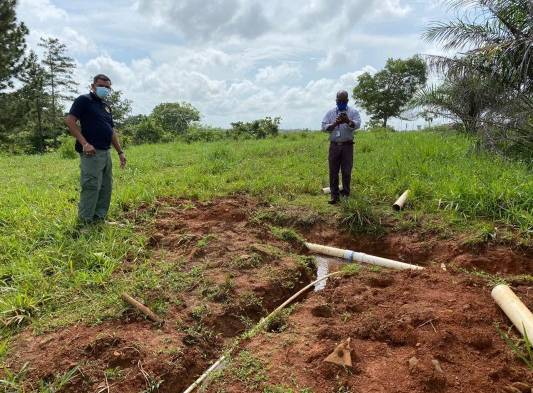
pixel 96 181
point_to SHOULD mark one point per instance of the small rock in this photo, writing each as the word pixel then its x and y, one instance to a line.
pixel 418 344
pixel 116 353
pixel 466 307
pixel 437 366
pixel 413 362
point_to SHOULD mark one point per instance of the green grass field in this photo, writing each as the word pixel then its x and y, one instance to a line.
pixel 50 275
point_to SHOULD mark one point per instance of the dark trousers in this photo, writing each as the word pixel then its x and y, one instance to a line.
pixel 340 157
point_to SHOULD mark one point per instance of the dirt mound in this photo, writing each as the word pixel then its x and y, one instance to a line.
pixel 224 264
pixel 424 331
pixel 225 271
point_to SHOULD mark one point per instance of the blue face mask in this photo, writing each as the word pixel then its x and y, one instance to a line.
pixel 102 92
pixel 342 106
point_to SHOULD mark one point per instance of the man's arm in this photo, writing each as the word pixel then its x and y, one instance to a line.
pixel 328 124
pixel 72 123
pixel 354 120
pixel 118 148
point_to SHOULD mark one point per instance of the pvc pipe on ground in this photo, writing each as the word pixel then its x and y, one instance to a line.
pixel 360 257
pixel 398 205
pixel 327 190
pixel 217 364
pixel 515 310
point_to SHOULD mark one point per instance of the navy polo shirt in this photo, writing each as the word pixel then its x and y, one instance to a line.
pixel 96 121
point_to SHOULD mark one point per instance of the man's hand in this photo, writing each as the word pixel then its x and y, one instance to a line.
pixel 342 118
pixel 122 158
pixel 89 149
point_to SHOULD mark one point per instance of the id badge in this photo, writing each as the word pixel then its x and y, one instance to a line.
pixel 338 133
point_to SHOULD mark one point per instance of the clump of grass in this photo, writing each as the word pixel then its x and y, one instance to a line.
pixel 12 381
pixel 359 215
pixel 278 322
pixel 220 292
pixel 286 234
pixel 19 308
pixel 522 348
pixel 285 389
pixel 249 370
pixel 249 301
pixel 247 261
pixel 114 373
pixel 204 241
pixel 491 279
pixel 351 269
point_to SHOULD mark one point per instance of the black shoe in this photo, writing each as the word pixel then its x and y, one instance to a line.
pixel 333 201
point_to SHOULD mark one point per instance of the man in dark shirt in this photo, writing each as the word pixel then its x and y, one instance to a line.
pixel 93 141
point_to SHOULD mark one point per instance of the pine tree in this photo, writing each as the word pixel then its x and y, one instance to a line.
pixel 37 103
pixel 58 82
pixel 12 43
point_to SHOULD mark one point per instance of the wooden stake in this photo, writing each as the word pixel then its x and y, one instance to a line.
pixel 142 308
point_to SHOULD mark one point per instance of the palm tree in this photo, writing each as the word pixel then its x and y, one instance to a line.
pixel 498 31
pixel 488 86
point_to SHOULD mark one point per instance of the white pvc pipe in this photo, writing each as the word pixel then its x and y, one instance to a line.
pixel 205 374
pixel 256 327
pixel 398 205
pixel 360 257
pixel 515 310
pixel 327 190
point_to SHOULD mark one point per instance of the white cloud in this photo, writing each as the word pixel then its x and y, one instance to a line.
pixel 77 42
pixel 393 8
pixel 278 73
pixel 337 57
pixel 220 18
pixel 41 10
pixel 233 59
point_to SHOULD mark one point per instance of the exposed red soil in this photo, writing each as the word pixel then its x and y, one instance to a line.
pixel 210 236
pixel 225 239
pixel 425 331
pixel 413 248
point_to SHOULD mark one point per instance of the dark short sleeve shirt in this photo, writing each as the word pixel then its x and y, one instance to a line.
pixel 96 121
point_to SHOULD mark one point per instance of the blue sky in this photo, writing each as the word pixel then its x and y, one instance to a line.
pixel 234 59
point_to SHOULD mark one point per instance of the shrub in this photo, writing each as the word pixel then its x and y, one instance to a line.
pixel 147 131
pixel 257 129
pixel 66 148
pixel 197 132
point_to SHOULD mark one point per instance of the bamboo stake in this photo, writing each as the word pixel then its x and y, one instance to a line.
pixel 142 308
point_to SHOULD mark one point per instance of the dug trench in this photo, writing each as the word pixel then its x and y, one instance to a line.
pixel 224 264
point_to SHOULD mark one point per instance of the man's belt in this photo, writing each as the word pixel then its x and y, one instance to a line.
pixel 342 143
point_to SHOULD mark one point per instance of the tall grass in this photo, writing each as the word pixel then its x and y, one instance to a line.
pixel 50 274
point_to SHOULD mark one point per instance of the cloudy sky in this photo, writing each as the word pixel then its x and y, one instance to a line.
pixel 234 59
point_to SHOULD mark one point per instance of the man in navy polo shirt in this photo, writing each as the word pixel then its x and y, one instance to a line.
pixel 93 142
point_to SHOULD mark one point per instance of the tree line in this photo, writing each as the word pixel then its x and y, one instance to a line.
pixel 486 89
pixel 35 90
